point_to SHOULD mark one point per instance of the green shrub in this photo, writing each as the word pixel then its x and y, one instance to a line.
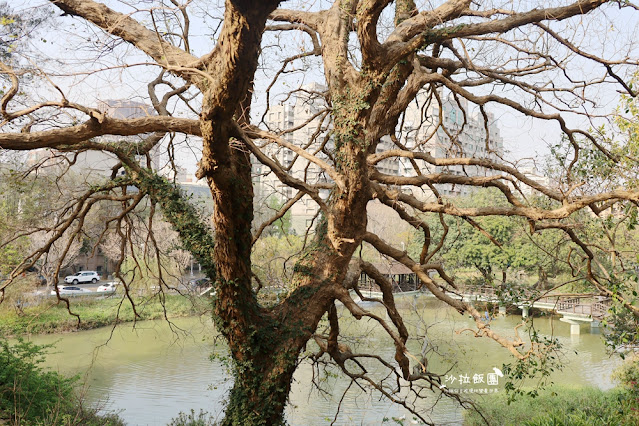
pixel 202 418
pixel 26 391
pixel 32 396
pixel 556 406
pixel 628 375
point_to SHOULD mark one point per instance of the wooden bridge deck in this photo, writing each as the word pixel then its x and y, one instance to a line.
pixel 584 308
pixel 570 305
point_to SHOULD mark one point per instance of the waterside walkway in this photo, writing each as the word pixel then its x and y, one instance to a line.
pixel 574 309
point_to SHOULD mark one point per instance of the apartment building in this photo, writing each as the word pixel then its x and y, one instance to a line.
pixel 97 165
pixel 449 129
pixel 304 123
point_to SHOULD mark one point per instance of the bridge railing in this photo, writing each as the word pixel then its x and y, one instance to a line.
pixel 487 291
pixel 579 305
pixel 600 308
pixel 570 304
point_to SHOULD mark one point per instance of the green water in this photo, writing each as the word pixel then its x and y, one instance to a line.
pixel 153 371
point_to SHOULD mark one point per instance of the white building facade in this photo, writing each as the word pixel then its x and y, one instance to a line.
pixel 449 129
pixel 446 132
pixel 97 165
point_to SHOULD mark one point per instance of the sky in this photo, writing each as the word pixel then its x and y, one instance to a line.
pixel 524 138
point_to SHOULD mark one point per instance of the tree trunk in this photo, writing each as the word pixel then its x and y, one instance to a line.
pixel 486 273
pixel 542 284
pixel 261 387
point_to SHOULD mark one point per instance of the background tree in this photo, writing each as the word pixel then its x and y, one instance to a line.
pixel 377 60
pixel 24 203
pixel 499 248
pixel 16 29
pixel 59 256
pixel 281 226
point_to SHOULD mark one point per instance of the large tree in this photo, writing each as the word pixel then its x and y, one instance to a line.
pixel 377 60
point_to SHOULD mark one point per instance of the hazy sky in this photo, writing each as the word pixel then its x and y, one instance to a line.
pixel 82 46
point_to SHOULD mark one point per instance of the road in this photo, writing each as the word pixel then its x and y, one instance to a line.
pixel 93 287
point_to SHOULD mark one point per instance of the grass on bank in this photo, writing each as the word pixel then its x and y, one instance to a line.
pixel 52 317
pixel 560 406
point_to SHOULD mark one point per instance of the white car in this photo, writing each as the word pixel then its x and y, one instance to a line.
pixel 107 287
pixel 70 290
pixel 83 277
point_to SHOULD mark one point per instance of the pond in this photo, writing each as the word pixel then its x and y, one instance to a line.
pixel 151 372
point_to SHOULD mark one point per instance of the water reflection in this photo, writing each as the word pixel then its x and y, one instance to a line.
pixel 152 372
